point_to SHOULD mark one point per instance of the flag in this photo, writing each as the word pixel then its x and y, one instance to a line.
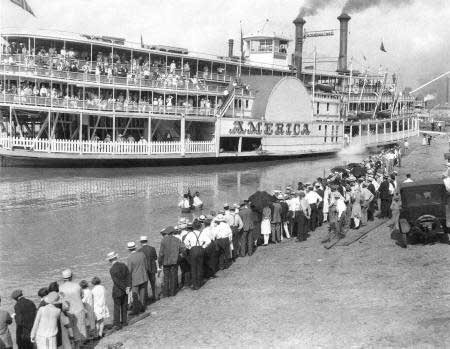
pixel 382 47
pixel 24 5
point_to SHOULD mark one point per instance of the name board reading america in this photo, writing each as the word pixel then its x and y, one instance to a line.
pixel 269 128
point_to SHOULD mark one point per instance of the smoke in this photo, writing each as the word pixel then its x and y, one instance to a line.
pixel 352 149
pixel 429 97
pixel 352 6
pixel 311 7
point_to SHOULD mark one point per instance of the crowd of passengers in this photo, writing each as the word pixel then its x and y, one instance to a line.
pixel 105 101
pixel 108 67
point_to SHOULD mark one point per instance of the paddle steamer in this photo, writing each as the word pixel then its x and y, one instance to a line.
pixel 86 100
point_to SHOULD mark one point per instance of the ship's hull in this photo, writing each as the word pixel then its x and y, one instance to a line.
pixel 19 158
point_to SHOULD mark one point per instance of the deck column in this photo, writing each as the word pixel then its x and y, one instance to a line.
pixel 149 135
pixel 403 128
pixel 376 132
pixel 217 136
pixel 10 128
pixel 183 135
pixel 240 145
pixel 49 135
pixel 384 131
pixel 80 134
pixel 392 128
pixel 360 132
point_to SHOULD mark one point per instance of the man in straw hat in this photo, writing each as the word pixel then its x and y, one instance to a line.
pixel 169 252
pixel 76 312
pixel 25 311
pixel 121 279
pixel 137 264
pixel 152 267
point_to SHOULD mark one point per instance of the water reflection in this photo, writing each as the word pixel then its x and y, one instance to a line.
pixel 56 218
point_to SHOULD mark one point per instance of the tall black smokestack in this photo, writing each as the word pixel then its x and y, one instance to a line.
pixel 343 42
pixel 299 23
pixel 230 47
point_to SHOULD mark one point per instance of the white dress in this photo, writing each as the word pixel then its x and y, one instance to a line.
pixel 100 309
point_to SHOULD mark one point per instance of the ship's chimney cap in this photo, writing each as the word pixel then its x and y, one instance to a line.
pixel 344 17
pixel 299 20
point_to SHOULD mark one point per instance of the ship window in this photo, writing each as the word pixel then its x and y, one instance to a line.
pixel 318 110
pixel 328 106
pixel 246 104
pixel 261 46
pixel 320 127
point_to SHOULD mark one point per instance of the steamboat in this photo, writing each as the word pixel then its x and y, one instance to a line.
pixel 86 100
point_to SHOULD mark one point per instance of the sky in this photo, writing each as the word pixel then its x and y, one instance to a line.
pixel 415 33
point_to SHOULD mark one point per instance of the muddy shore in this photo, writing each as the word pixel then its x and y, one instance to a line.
pixel 366 295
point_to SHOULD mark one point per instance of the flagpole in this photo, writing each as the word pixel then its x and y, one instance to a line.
pixel 314 79
pixel 242 51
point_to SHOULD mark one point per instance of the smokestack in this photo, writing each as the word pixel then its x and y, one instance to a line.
pixel 230 47
pixel 343 42
pixel 299 23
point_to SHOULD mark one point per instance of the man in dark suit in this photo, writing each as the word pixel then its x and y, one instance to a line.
pixel 25 313
pixel 121 279
pixel 137 264
pixel 152 268
pixel 169 252
pixel 385 198
pixel 246 237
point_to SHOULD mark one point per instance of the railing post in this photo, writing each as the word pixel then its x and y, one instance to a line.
pixel 376 132
pixel 217 136
pixel 80 135
pixel 149 135
pixel 360 133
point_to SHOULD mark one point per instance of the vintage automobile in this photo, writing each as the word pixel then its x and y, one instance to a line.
pixel 424 213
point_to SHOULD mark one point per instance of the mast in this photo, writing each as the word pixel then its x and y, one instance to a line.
pixel 314 79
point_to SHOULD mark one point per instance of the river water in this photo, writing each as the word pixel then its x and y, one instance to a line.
pixel 52 219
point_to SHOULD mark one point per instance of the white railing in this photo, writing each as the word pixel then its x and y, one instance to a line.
pixel 93 147
pixel 200 147
pixel 381 138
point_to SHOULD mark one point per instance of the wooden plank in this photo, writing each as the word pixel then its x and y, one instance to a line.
pixel 126 127
pixel 95 127
pixel 43 127
pixel 358 234
pixel 18 123
pixel 75 132
pixel 54 125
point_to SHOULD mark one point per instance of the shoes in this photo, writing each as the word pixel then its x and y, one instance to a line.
pixel 114 328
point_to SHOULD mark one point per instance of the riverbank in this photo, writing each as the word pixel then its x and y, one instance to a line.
pixel 369 294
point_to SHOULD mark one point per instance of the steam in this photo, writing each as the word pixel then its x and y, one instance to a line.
pixel 311 7
pixel 429 97
pixel 353 149
pixel 352 6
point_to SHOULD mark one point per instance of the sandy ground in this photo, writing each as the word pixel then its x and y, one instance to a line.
pixel 371 294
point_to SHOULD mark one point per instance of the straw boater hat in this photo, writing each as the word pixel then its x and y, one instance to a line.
pixel 167 231
pixel 67 274
pixel 220 218
pixel 337 195
pixel 131 246
pixel 226 206
pixel 111 255
pixel 143 238
pixel 202 218
pixel 52 298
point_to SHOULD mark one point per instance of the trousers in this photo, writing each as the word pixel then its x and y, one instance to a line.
pixel 140 291
pixel 170 283
pixel 120 310
pixel 210 260
pixel 313 218
pixel 276 232
pixel 246 245
pixel 302 226
pixel 152 282
pixel 223 245
pixel 196 256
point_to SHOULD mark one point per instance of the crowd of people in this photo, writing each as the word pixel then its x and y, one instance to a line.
pixel 202 243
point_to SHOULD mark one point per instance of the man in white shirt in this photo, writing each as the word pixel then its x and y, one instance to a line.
pixel 197 203
pixel 408 179
pixel 294 208
pixel 196 242
pixel 224 236
pixel 366 199
pixel 184 204
pixel 313 200
pixel 211 256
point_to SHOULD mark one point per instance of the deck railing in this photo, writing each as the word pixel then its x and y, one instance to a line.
pixel 383 138
pixel 131 80
pixel 107 106
pixel 94 147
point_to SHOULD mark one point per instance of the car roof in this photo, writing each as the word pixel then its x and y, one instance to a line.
pixel 424 182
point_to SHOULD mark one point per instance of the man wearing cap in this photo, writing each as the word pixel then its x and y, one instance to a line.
pixel 196 241
pixel 25 311
pixel 137 265
pixel 170 250
pixel 152 268
pixel 71 292
pixel 121 279
pixel 246 237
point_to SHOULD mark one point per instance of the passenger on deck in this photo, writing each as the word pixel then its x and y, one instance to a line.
pixel 184 204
